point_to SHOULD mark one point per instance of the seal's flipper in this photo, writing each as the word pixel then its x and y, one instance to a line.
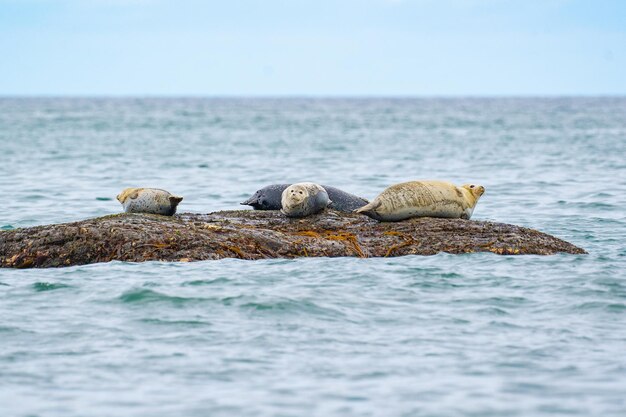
pixel 369 207
pixel 174 199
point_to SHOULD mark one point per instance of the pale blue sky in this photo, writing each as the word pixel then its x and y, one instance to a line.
pixel 312 47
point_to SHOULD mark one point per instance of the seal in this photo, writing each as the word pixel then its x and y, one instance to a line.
pixel 424 199
pixel 343 201
pixel 269 198
pixel 303 199
pixel 149 200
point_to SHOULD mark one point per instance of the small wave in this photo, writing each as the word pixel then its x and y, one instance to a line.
pixel 184 323
pixel 292 306
pixel 493 311
pixel 200 282
pixel 150 296
pixel 35 197
pixel 603 306
pixel 433 273
pixel 14 329
pixel 504 324
pixel 48 286
pixel 587 205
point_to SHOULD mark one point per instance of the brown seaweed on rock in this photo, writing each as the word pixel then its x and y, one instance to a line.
pixel 247 234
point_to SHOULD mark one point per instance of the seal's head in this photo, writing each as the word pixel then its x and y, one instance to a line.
pixel 258 201
pixel 252 201
pixel 267 198
pixel 304 199
pixel 475 190
pixel 174 200
pixel 128 193
pixel 295 195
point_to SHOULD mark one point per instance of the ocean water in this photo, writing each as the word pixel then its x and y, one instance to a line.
pixel 444 335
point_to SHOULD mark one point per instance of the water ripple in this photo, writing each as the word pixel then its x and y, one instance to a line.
pixel 467 335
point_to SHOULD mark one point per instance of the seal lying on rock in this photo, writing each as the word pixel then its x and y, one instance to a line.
pixel 269 198
pixel 424 199
pixel 342 201
pixel 304 199
pixel 148 200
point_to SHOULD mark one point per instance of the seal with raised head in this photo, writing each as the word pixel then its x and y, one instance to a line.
pixel 149 200
pixel 303 199
pixel 269 198
pixel 424 199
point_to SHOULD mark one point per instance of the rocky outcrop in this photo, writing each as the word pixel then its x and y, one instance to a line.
pixel 258 235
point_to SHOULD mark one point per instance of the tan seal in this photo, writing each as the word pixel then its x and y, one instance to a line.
pixel 149 200
pixel 303 199
pixel 424 199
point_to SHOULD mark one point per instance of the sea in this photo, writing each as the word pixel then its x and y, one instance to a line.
pixel 445 335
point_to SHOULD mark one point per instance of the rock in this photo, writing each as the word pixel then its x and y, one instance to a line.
pixel 248 234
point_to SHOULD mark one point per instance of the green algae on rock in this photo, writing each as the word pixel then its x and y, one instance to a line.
pixel 247 234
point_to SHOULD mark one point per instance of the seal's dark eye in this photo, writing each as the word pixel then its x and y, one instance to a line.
pixel 472 186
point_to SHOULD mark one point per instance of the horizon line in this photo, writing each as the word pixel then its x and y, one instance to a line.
pixel 306 96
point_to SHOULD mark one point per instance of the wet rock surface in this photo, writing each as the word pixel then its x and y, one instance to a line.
pixel 247 234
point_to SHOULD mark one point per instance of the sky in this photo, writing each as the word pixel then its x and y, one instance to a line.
pixel 312 47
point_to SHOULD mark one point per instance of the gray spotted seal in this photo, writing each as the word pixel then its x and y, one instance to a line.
pixel 303 199
pixel 149 200
pixel 424 199
pixel 269 198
